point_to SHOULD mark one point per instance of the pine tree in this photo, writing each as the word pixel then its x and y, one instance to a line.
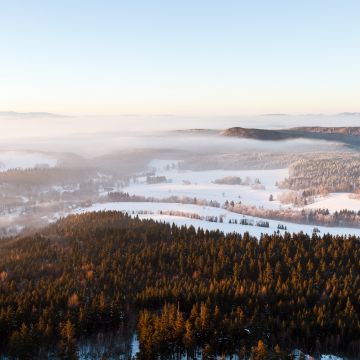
pixel 259 352
pixel 67 344
pixel 189 340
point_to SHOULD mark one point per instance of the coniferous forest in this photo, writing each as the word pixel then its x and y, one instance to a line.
pixel 190 291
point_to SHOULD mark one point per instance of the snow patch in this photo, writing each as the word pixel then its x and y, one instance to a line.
pixel 336 202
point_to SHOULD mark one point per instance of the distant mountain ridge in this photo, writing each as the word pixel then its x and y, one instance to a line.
pixel 29 114
pixel 341 130
pixel 344 134
pixel 257 134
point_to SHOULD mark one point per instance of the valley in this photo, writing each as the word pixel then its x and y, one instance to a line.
pixel 284 189
pixel 224 189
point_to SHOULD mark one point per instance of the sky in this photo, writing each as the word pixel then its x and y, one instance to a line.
pixel 180 57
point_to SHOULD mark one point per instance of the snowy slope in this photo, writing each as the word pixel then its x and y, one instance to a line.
pixel 336 202
pixel 153 212
pixel 201 184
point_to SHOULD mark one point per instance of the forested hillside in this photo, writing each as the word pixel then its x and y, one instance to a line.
pixel 193 289
pixel 331 174
pixel 347 135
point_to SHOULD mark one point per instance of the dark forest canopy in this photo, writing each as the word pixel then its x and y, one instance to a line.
pixel 192 289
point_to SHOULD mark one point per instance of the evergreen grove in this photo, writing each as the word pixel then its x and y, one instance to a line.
pixel 190 289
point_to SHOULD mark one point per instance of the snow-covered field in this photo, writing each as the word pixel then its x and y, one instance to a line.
pixel 24 160
pixel 200 184
pixel 155 211
pixel 335 202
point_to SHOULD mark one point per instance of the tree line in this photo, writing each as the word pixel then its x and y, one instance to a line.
pixel 319 217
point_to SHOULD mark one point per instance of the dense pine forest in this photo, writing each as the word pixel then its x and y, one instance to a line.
pixel 325 174
pixel 190 291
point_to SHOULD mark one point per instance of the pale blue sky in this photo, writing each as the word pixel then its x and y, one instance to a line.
pixel 180 57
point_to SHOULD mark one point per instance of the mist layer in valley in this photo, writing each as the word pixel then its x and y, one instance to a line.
pixel 52 166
